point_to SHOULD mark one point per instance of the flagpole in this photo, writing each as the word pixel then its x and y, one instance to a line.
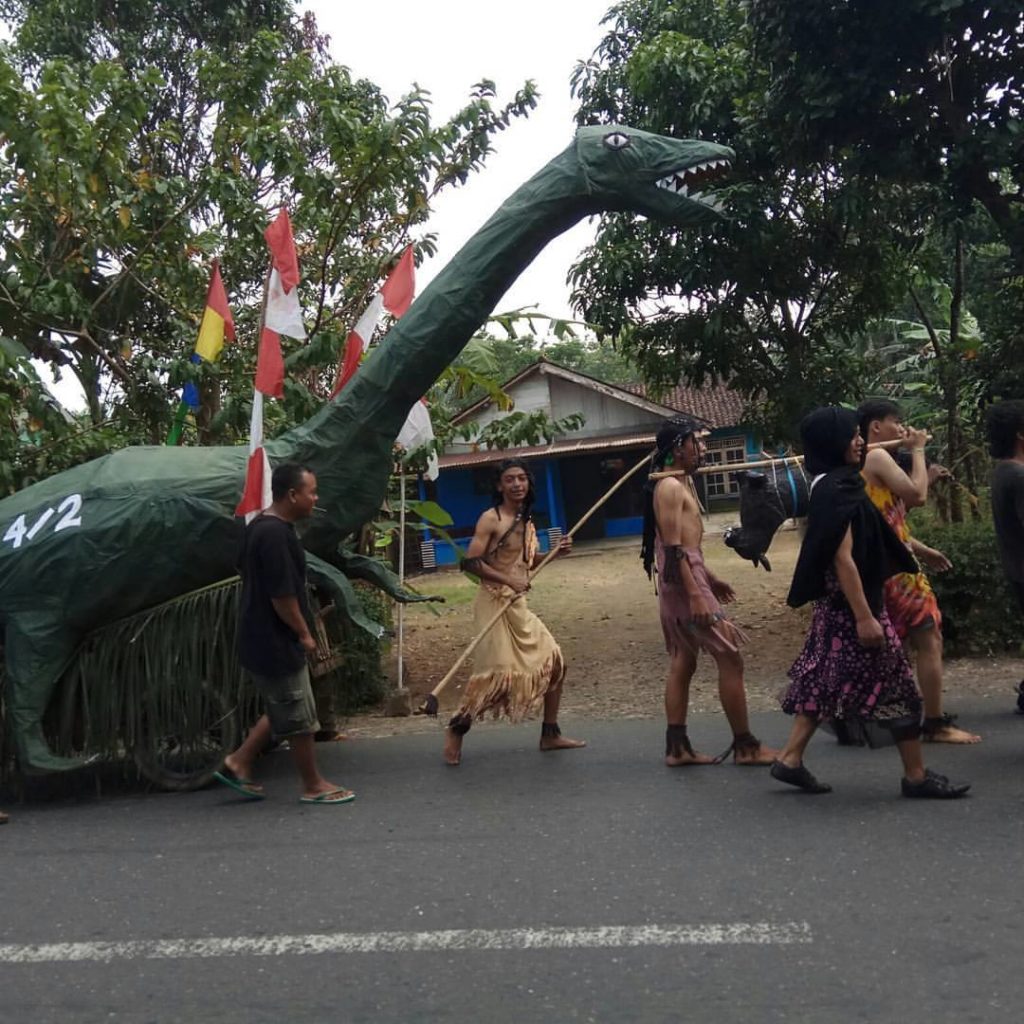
pixel 401 572
pixel 178 425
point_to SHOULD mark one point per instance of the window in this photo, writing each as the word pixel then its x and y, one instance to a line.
pixel 723 450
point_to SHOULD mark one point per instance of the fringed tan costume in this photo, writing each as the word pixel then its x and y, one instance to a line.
pixel 517 662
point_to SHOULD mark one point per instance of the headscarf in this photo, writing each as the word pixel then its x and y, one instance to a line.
pixel 672 432
pixel 838 502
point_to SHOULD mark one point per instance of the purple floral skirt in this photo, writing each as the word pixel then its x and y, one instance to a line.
pixel 870 689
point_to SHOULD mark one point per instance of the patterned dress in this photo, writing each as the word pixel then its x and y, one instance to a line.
pixel 870 689
pixel 909 598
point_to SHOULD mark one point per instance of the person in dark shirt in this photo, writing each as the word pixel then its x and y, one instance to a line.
pixel 1004 424
pixel 274 639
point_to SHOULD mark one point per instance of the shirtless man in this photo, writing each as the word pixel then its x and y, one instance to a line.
pixel 909 598
pixel 517 665
pixel 690 599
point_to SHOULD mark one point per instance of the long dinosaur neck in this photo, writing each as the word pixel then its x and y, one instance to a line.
pixel 367 416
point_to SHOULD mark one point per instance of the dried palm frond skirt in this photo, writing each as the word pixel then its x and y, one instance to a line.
pixel 515 664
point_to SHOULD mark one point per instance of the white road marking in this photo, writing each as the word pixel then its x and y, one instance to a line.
pixel 611 937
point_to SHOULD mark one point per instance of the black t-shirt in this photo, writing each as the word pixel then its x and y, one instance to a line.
pixel 272 564
pixel 1008 514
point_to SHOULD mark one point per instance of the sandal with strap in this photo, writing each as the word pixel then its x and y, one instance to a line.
pixel 799 777
pixel 933 787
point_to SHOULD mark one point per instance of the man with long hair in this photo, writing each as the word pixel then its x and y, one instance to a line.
pixel 518 665
pixel 909 598
pixel 690 599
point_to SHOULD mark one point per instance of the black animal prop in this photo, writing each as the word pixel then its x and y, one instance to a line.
pixel 767 500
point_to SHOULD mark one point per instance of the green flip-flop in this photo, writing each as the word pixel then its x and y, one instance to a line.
pixel 335 796
pixel 226 777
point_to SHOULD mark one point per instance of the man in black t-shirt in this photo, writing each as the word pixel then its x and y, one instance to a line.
pixel 274 639
pixel 1005 426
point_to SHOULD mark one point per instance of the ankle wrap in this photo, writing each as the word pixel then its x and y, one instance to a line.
pixel 677 741
pixel 549 730
pixel 460 724
pixel 745 742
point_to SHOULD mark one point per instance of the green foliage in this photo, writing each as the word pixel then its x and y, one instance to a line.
pixel 522 428
pixel 359 681
pixel 171 675
pixel 978 610
pixel 771 298
pixel 141 141
pixel 910 92
pixel 489 360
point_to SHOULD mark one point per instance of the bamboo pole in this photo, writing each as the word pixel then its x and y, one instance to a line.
pixel 430 702
pixel 401 576
pixel 732 467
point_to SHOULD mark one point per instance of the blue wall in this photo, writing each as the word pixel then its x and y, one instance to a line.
pixel 455 494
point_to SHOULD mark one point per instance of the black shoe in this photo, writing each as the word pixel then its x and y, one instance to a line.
pixel 933 787
pixel 1020 697
pixel 799 777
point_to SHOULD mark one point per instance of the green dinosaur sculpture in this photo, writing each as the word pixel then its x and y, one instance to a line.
pixel 140 526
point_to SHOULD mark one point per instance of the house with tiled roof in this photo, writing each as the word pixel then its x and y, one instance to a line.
pixel 572 472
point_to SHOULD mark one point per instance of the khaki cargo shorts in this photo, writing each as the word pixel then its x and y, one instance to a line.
pixel 289 701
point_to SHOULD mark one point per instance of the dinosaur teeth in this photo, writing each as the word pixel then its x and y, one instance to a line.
pixel 680 182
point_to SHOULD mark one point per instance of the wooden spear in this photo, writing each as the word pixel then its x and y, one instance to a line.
pixel 430 703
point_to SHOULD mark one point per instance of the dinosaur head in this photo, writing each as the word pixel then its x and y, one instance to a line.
pixel 663 178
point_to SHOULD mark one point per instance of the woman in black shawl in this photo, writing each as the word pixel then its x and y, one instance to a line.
pixel 852 667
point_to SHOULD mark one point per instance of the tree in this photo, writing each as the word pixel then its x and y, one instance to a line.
pixel 926 91
pixel 917 91
pixel 771 298
pixel 142 140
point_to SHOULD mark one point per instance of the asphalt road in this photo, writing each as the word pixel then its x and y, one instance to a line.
pixel 590 885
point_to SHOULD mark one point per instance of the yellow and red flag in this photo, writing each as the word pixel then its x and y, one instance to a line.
pixel 217 322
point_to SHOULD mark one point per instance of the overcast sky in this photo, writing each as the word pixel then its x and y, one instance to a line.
pixel 448 45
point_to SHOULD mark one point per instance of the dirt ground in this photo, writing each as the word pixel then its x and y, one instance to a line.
pixel 602 609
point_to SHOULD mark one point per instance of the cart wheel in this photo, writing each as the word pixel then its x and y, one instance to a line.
pixel 185 759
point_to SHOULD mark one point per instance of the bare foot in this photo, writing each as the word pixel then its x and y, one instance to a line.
pixel 685 758
pixel 951 734
pixel 4 818
pixel 452 747
pixel 759 755
pixel 560 743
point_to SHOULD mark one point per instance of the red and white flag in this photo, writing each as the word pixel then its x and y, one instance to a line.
pixel 281 315
pixel 358 342
pixel 418 431
pixel 400 287
pixel 395 295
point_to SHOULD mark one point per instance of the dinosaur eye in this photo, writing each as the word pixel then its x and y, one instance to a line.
pixel 616 140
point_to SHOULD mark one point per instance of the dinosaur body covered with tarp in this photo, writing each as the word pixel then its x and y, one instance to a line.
pixel 141 526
